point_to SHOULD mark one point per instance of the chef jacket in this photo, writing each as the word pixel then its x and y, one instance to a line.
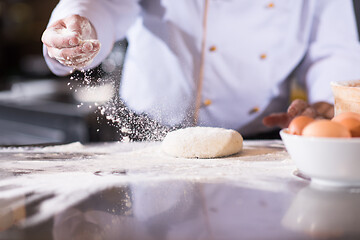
pixel 236 56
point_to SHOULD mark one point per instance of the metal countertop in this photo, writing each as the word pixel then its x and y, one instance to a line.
pixel 134 191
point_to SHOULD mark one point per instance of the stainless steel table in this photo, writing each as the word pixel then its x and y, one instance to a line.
pixel 134 191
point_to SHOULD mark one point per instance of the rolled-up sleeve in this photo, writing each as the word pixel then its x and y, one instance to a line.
pixel 334 49
pixel 110 18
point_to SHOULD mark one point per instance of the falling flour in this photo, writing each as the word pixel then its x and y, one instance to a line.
pixel 101 94
pixel 70 173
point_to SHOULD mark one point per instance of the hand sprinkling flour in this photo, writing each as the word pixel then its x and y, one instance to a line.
pixel 72 41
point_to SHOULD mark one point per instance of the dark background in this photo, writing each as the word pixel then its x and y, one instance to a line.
pixel 47 118
pixel 357 13
pixel 21 25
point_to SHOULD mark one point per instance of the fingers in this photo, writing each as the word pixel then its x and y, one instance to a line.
pixel 297 107
pixel 74 23
pixel 277 119
pixel 78 63
pixel 316 110
pixel 72 41
pixel 58 36
pixel 78 56
pixel 330 113
pixel 282 120
pixel 68 32
pixel 74 52
pixel 80 25
pixel 57 39
pixel 324 109
pixel 309 112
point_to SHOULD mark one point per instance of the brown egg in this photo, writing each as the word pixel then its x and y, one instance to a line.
pixel 326 128
pixel 297 125
pixel 341 116
pixel 353 125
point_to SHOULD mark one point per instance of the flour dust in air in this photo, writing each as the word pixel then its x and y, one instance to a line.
pixel 98 93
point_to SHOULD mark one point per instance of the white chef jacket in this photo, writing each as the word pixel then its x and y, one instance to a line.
pixel 251 50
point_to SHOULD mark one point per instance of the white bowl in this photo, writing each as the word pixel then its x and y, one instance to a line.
pixel 327 161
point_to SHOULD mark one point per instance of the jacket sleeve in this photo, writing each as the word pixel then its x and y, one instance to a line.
pixel 334 49
pixel 110 18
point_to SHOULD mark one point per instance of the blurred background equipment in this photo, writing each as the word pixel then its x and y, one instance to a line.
pixel 37 107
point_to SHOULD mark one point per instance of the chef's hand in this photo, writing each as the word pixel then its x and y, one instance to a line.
pixel 72 41
pixel 300 107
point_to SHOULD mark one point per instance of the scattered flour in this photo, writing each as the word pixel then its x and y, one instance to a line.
pixel 87 169
pixel 100 93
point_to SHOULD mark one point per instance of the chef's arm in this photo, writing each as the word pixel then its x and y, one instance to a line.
pixel 109 21
pixel 333 55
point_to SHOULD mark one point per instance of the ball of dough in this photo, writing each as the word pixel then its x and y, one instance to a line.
pixel 202 142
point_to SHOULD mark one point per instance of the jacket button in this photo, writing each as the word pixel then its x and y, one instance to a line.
pixel 254 110
pixel 207 102
pixel 212 48
pixel 270 5
pixel 263 56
